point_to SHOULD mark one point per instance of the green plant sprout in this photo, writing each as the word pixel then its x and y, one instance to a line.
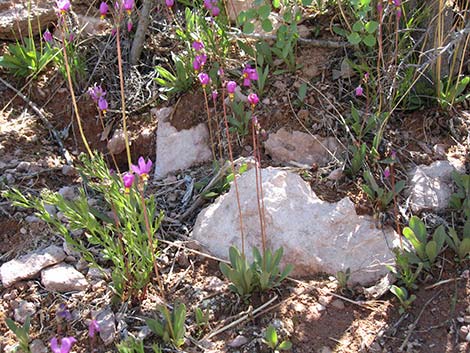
pixel 21 333
pixel 272 341
pixel 404 298
pixel 171 328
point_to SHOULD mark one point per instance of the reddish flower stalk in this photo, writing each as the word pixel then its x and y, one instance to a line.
pixel 234 172
pixel 219 139
pixel 395 203
pixel 209 123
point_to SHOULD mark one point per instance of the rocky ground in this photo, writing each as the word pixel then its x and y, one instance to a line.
pixel 310 203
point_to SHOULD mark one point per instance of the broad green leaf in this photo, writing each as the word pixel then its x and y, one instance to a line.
pixel 431 251
pixel 371 26
pixel 267 25
pixel 264 11
pixel 248 28
pixel 369 40
pixel 358 26
pixel 354 38
pixel 285 345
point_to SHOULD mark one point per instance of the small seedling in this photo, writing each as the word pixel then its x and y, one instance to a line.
pixel 267 268
pixel 240 273
pixel 272 340
pixel 21 333
pixel 405 299
pixel 171 328
pixel 343 277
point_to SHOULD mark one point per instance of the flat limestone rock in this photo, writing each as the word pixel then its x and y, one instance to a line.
pixel 179 150
pixel 317 236
pixel 63 278
pixel 30 265
pixel 14 17
pixel 431 186
pixel 300 147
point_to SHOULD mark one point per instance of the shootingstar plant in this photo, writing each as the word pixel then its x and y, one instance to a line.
pixel 359 91
pixel 93 328
pixel 103 9
pixel 198 45
pixel 47 36
pixel 199 62
pixel 65 346
pixel 253 99
pixel 204 79
pixel 249 74
pixel 128 5
pixel 143 168
pixel 170 3
pixel 231 86
pixel 128 180
pixel 63 6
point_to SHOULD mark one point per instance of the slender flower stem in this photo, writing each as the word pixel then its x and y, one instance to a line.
pixel 219 139
pixel 229 143
pixel 379 57
pixel 74 100
pixel 107 140
pixel 123 99
pixel 149 233
pixel 395 208
pixel 209 124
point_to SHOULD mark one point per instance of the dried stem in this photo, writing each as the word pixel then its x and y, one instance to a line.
pixel 209 124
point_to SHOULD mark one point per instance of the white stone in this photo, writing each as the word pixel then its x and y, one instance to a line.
pixel 15 14
pixel 431 186
pixel 179 150
pixel 300 147
pixel 24 310
pixel 63 278
pixel 30 265
pixel 316 236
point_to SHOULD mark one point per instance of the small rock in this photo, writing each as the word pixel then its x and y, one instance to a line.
pixel 81 265
pixel 300 147
pixel 23 166
pixel 67 192
pixel 215 284
pixel 69 251
pixel 37 346
pixel 325 349
pixel 336 174
pixel 324 300
pixel 463 332
pixel 24 310
pixel 431 186
pixel 63 278
pixel 466 319
pixel 10 179
pixel 319 307
pixel 50 209
pixel 68 170
pixel 30 265
pixel 338 304
pixel 117 143
pixel 238 341
pixel 32 219
pixel 107 323
pixel 96 273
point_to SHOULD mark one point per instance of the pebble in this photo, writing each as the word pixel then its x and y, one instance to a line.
pixel 324 300
pixel 37 346
pixel 24 310
pixel 63 278
pixel 23 166
pixel 338 304
pixel 10 179
pixel 51 210
pixel 32 219
pixel 239 341
pixel 68 170
pixel 67 192
pixel 107 324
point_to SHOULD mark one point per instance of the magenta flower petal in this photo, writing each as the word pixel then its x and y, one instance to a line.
pixel 128 5
pixel 128 180
pixel 66 344
pixel 231 86
pixel 47 36
pixel 198 45
pixel 215 11
pixel 215 94
pixel 63 5
pixel 253 99
pixel 93 328
pixel 103 104
pixel 246 82
pixel 359 91
pixel 169 3
pixel 204 79
pixel 103 9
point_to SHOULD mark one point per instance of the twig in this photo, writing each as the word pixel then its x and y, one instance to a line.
pixel 243 318
pixel 415 323
pixel 45 121
pixel 432 286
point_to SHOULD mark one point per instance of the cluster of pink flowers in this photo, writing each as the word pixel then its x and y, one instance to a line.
pixel 211 5
pixel 142 169
pixel 97 93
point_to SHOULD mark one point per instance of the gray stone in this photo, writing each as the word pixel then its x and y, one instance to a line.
pixel 67 192
pixel 63 278
pixel 316 236
pixel 68 170
pixel 430 186
pixel 37 346
pixel 23 166
pixel 179 150
pixel 107 323
pixel 238 341
pixel 30 265
pixel 24 310
pixel 14 16
pixel 300 147
pixel 117 143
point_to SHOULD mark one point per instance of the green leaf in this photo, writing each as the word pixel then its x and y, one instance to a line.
pixel 302 92
pixel 340 31
pixel 267 25
pixel 354 38
pixel 271 336
pixel 248 28
pixel 369 40
pixel 431 251
pixel 371 26
pixel 358 26
pixel 276 4
pixel 264 11
pixel 464 248
pixel 306 2
pixel 285 345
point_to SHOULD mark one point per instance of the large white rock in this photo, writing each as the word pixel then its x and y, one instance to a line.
pixel 30 265
pixel 178 150
pixel 317 236
pixel 63 278
pixel 300 147
pixel 14 17
pixel 431 186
